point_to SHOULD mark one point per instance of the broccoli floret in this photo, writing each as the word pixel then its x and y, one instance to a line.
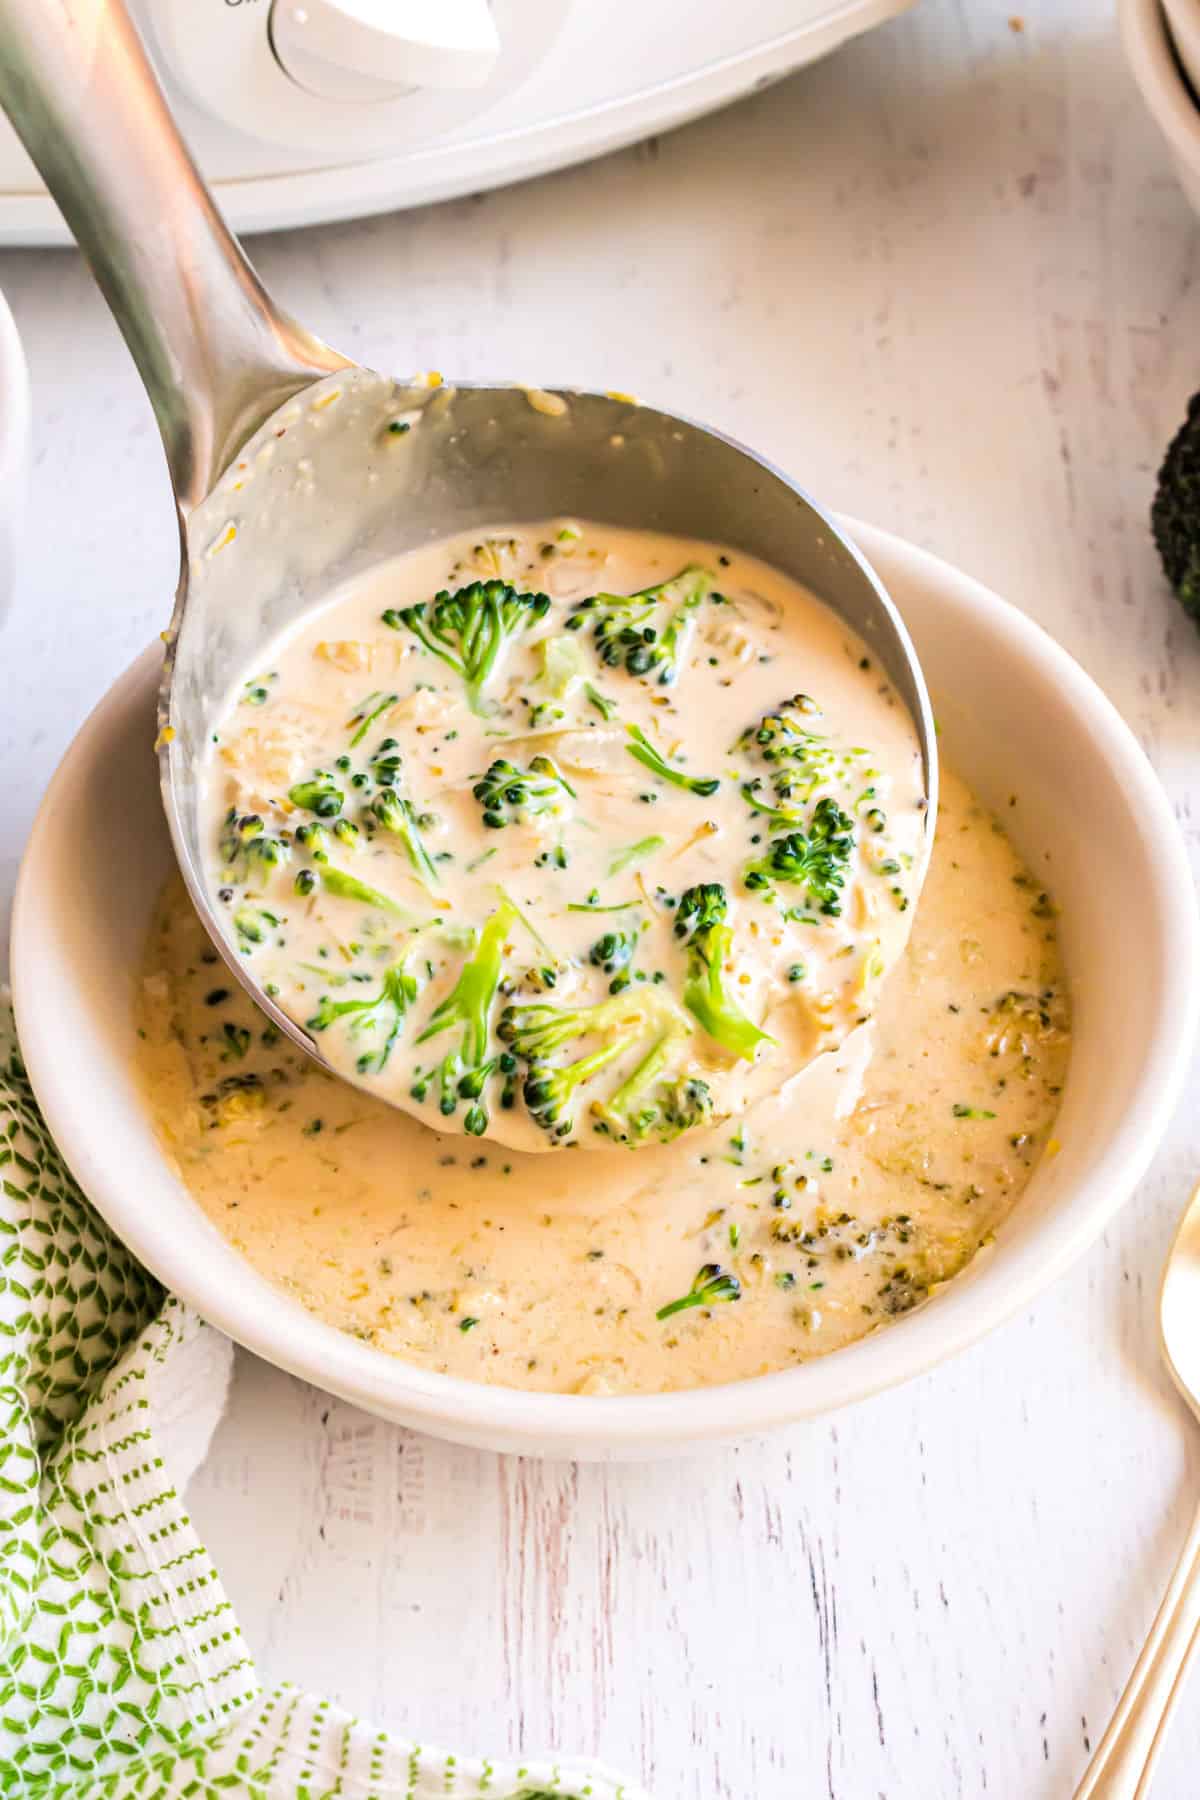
pixel 815 860
pixel 712 1285
pixel 798 759
pixel 385 1010
pixel 644 752
pixel 392 813
pixel 647 633
pixel 638 1108
pixel 314 841
pixel 320 795
pixel 464 1071
pixel 687 1106
pixel 700 920
pixel 249 853
pixel 253 923
pixel 384 765
pixel 1175 514
pixel 613 953
pixel 469 629
pixel 510 795
pixel 645 1107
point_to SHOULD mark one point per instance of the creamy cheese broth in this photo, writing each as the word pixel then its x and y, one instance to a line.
pixel 385 831
pixel 548 1272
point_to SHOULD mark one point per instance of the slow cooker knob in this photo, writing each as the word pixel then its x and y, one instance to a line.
pixel 378 49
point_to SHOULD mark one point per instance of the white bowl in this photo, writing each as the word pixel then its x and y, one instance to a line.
pixel 1017 717
pixel 1183 24
pixel 14 451
pixel 1158 72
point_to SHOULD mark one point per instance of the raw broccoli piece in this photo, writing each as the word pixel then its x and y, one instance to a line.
pixel 700 921
pixel 647 633
pixel 815 860
pixel 392 813
pixel 534 1031
pixel 385 1010
pixel 644 752
pixel 712 1285
pixel 464 1071
pixel 470 629
pixel 798 759
pixel 509 795
pixel 1175 513
pixel 249 854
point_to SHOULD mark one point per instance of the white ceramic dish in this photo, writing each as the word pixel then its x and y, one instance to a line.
pixel 1183 24
pixel 14 451
pixel 1018 717
pixel 1159 74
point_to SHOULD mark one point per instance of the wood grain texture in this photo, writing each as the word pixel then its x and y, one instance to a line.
pixel 946 277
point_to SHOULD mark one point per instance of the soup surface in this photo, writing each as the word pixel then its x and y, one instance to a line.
pixel 569 836
pixel 828 1210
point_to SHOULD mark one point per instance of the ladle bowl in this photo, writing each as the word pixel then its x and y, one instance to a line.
pixel 295 470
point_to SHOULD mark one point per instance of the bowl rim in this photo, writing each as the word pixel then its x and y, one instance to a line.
pixel 644 1424
pixel 15 413
pixel 1156 69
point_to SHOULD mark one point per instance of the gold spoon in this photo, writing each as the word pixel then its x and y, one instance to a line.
pixel 1124 1762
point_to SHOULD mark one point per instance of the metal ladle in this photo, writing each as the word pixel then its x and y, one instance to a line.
pixel 291 467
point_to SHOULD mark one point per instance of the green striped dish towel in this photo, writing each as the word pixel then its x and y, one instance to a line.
pixel 122 1669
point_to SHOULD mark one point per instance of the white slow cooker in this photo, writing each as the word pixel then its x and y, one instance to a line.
pixel 306 110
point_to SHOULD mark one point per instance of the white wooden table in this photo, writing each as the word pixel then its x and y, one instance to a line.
pixel 948 280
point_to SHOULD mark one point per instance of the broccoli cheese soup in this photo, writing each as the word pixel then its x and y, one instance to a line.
pixel 819 1214
pixel 566 837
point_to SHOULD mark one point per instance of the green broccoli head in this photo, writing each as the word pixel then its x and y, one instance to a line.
pixel 797 758
pixel 687 1106
pixel 614 953
pixel 700 921
pixel 712 1286
pixel 816 859
pixel 320 795
pixel 395 816
pixel 646 1025
pixel 381 1014
pixel 509 795
pixel 384 764
pixel 254 925
pixel 1175 513
pixel 647 633
pixel 470 629
pixel 465 1070
pixel 700 909
pixel 249 854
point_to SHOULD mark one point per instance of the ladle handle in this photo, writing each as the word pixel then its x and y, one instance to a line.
pixel 1124 1761
pixel 215 355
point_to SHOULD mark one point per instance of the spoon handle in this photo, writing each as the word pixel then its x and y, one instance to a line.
pixel 214 354
pixel 1125 1758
